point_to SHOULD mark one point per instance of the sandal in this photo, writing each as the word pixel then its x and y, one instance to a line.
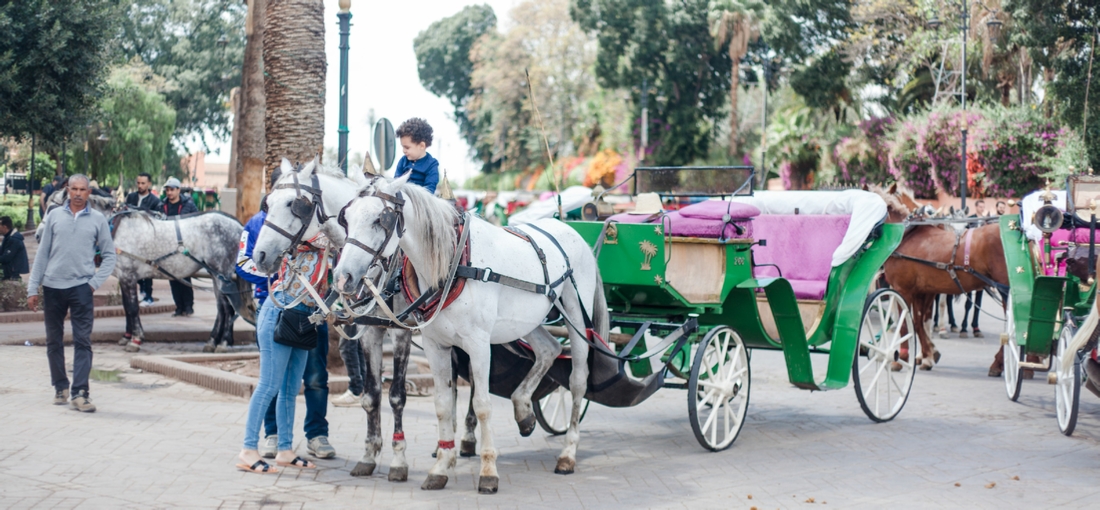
pixel 299 463
pixel 260 467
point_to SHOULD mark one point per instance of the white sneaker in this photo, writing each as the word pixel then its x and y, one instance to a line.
pixel 268 445
pixel 347 399
pixel 146 303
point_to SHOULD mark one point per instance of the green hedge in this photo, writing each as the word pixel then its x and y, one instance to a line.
pixel 18 213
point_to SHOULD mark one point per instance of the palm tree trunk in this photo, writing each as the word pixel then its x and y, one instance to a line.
pixel 249 123
pixel 735 79
pixel 294 82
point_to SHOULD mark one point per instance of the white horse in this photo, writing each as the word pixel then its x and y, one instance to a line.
pixel 336 190
pixel 395 213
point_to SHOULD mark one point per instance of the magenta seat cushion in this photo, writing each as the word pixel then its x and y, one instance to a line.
pixel 678 224
pixel 802 246
pixel 717 209
pixel 1080 236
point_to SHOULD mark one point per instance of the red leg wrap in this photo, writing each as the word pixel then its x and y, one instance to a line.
pixel 446 445
pixel 399 436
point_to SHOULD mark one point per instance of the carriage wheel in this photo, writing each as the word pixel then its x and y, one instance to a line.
pixel 554 411
pixel 885 362
pixel 1012 354
pixel 718 388
pixel 1067 390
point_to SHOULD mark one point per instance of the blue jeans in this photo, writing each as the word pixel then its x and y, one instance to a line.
pixel 316 380
pixel 281 369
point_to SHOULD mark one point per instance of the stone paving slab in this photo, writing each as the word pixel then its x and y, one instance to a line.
pixel 159 443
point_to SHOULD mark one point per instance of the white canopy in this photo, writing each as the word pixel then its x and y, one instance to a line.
pixel 572 198
pixel 866 209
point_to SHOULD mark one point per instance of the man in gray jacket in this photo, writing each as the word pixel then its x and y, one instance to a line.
pixel 65 267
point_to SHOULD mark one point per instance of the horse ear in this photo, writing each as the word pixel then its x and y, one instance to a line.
pixel 866 188
pixel 356 175
pixel 286 166
pixel 894 189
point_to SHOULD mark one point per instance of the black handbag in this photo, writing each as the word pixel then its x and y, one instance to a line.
pixel 293 329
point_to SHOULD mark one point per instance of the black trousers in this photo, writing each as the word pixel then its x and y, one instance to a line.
pixel 146 288
pixel 183 295
pixel 77 302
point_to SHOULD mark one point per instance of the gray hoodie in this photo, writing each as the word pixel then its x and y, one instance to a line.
pixel 66 252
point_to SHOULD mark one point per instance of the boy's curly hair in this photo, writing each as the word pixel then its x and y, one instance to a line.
pixel 416 129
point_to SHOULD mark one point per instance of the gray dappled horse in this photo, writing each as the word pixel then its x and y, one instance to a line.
pixel 180 247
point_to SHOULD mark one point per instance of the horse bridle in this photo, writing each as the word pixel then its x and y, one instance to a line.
pixel 304 206
pixel 391 221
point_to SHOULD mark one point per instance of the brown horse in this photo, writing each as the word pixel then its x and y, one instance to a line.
pixel 919 283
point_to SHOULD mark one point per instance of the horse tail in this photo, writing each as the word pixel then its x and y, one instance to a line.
pixel 1088 332
pixel 600 318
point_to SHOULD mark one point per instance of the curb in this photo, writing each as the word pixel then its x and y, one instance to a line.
pixel 100 312
pixel 240 337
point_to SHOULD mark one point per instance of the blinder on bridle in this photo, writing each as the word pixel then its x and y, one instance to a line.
pixel 390 220
pixel 303 208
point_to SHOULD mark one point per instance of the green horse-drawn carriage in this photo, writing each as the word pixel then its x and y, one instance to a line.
pixel 698 288
pixel 1050 256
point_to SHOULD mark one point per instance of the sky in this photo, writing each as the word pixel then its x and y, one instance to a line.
pixel 382 76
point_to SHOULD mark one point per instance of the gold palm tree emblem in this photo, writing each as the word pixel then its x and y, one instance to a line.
pixel 649 250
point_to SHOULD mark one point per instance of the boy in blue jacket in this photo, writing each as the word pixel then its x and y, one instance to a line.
pixel 416 136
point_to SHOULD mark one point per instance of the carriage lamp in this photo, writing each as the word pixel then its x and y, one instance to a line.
pixel 1048 219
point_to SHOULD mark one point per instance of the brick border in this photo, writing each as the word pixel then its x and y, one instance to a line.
pixel 100 312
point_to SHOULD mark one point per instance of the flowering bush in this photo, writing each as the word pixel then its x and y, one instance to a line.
pixel 1025 150
pixel 864 158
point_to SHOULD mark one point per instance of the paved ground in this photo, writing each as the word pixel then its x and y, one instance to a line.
pixel 157 443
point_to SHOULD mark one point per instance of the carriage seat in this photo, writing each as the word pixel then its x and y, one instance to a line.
pixel 1059 242
pixel 802 245
pixel 704 219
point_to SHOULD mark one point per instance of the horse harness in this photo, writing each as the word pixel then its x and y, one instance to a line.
pixel 302 208
pixel 952 268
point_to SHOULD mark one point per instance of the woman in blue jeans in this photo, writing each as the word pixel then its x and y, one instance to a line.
pixel 282 367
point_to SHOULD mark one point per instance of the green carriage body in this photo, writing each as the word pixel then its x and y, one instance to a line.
pixel 638 284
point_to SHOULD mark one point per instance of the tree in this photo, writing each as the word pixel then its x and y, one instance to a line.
pixel 666 46
pixel 294 81
pixel 551 48
pixel 198 45
pixel 443 58
pixel 734 24
pixel 53 56
pixel 141 123
pixel 250 150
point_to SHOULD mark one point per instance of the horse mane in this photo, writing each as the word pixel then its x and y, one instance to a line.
pixel 435 220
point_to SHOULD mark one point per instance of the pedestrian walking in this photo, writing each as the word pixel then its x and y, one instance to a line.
pixel 65 268
pixel 144 200
pixel 315 376
pixel 974 298
pixel 178 205
pixel 13 253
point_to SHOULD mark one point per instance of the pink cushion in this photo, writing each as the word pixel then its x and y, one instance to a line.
pixel 802 246
pixel 631 218
pixel 717 209
pixel 679 224
pixel 1062 236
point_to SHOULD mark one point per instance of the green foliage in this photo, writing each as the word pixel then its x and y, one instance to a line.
pixel 141 123
pixel 198 47
pixel 17 210
pixel 443 58
pixel 821 81
pixel 668 47
pixel 52 58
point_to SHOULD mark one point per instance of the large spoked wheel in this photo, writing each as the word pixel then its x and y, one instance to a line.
pixel 885 361
pixel 1012 354
pixel 718 388
pixel 1067 390
pixel 554 411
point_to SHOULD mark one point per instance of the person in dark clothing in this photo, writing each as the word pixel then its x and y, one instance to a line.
pixel 13 253
pixel 144 200
pixel 416 136
pixel 48 190
pixel 974 298
pixel 178 205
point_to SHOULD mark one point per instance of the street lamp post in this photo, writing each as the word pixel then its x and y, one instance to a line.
pixel 345 28
pixel 994 26
pixel 30 187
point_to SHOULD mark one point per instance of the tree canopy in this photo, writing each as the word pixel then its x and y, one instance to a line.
pixel 52 61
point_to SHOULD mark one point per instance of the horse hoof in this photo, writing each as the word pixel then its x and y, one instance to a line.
pixel 434 483
pixel 527 425
pixel 935 357
pixel 993 372
pixel 565 466
pixel 363 469
pixel 399 474
pixel 1028 374
pixel 895 367
pixel 221 348
pixel 1052 378
pixel 488 485
pixel 468 449
pixel 1091 386
pixel 962 334
pixel 926 366
pixel 125 340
